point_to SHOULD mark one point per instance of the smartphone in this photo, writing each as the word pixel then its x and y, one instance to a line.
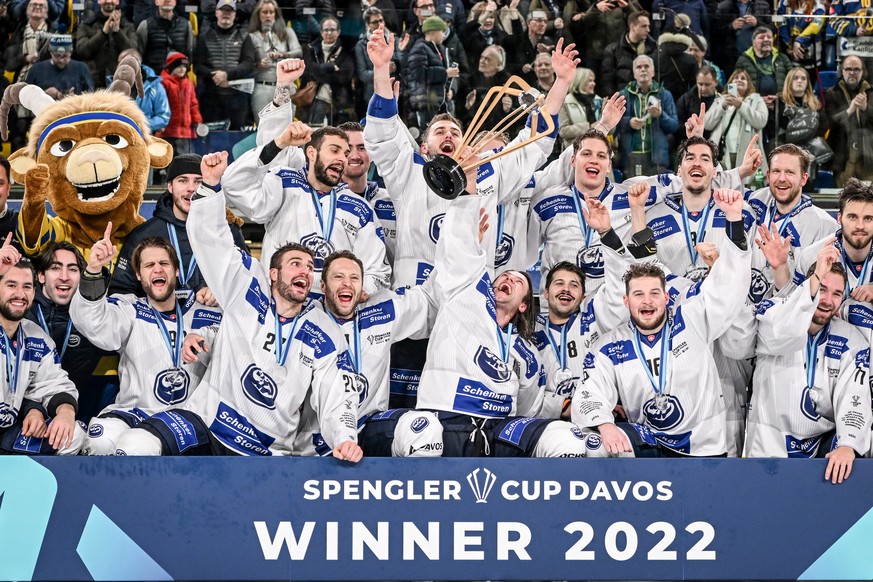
pixel 732 89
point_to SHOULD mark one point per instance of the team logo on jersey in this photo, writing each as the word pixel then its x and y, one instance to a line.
pixel 593 442
pixel 259 387
pixel 95 430
pixel 419 424
pixel 759 286
pixel 319 246
pixel 171 386
pixel 697 273
pixel 807 405
pixel 362 386
pixel 590 260
pixel 436 224
pixel 504 250
pixel 664 415
pixel 494 367
pixel 566 386
pixel 577 432
pixel 75 340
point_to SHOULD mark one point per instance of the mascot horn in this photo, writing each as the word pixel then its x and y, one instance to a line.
pixel 89 156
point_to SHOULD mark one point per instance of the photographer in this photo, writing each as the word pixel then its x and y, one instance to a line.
pixel 101 37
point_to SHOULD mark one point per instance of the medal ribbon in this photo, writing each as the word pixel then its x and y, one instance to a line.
pixel 701 229
pixel 501 219
pixel 560 352
pixel 175 350
pixel 862 276
pixel 326 222
pixel 45 327
pixel 812 344
pixel 184 274
pixel 586 230
pixel 786 218
pixel 505 342
pixel 666 346
pixel 282 348
pixel 12 376
pixel 357 356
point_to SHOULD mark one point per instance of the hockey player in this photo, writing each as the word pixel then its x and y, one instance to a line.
pixel 168 221
pixel 782 207
pixel 660 365
pixel 812 389
pixel 35 385
pixel 59 270
pixel 272 352
pixel 355 176
pixel 147 332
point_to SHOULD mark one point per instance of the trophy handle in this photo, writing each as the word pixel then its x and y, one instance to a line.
pixel 492 97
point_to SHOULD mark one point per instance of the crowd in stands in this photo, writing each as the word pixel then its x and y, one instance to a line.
pixel 683 311
pixel 450 52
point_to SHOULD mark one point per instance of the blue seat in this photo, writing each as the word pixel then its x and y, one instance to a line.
pixel 824 179
pixel 826 80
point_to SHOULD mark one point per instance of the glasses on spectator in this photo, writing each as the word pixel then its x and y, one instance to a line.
pixel 376 21
pixel 538 20
pixel 38 6
pixel 426 7
pixel 329 30
pixel 852 69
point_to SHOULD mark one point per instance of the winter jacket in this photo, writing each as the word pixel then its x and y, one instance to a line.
pixel 655 132
pixel 124 277
pixel 853 132
pixel 694 9
pixel 677 70
pixel 158 36
pixel 336 69
pixel 230 50
pixel 154 102
pixel 750 119
pixel 575 118
pixel 724 50
pixel 99 50
pixel 781 66
pixel 184 107
pixel 618 64
pixel 426 76
pixel 597 30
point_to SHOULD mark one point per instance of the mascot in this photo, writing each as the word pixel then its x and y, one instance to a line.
pixel 89 156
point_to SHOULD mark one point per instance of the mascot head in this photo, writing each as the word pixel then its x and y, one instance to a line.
pixel 97 146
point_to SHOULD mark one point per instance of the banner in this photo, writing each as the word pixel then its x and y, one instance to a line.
pixel 859 46
pixel 413 519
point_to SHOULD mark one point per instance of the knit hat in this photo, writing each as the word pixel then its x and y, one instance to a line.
pixel 432 23
pixel 174 59
pixel 61 43
pixel 183 164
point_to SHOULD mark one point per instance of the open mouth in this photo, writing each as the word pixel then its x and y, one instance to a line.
pixel 505 288
pixel 159 282
pixel 18 303
pixel 98 191
pixel 565 298
pixel 335 170
pixel 447 148
pixel 301 284
pixel 696 174
pixel 647 312
pixel 593 172
pixel 63 288
pixel 345 296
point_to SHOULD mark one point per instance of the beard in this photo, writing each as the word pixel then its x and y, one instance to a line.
pixel 857 243
pixel 290 292
pixel 10 313
pixel 322 176
pixel 168 292
pixel 656 324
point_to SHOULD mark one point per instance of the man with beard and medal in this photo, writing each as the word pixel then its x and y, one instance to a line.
pixel 853 241
pixel 693 216
pixel 660 365
pixel 812 385
pixel 147 332
pixel 310 205
pixel 37 398
pixel 370 328
pixel 783 209
pixel 576 320
pixel 273 351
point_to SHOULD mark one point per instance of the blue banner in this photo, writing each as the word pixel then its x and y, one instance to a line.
pixel 450 519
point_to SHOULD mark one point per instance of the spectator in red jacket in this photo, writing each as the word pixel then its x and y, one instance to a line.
pixel 184 108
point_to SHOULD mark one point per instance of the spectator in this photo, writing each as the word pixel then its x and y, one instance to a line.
pixel 698 51
pixel 389 13
pixel 798 93
pixel 56 14
pixel 527 46
pixel 766 66
pixel 619 57
pixel 581 109
pixel 184 107
pixel 849 107
pixel 694 9
pixel 8 216
pixel 545 74
pixel 207 16
pixel 701 94
pixel 427 74
pixel 308 15
pixel 676 68
pixel 602 24
pixel 224 53
pixel 333 67
pixel 373 17
pixel 421 9
pixel 649 119
pixel 29 42
pixel 732 25
pixel 554 14
pixel 735 117
pixel 273 41
pixel 856 21
pixel 491 73
pixel 61 75
pixel 506 15
pixel 483 29
pixel 101 36
pixel 455 49
pixel 159 35
pixel 800 32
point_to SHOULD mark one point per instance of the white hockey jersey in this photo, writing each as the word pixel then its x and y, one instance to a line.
pixel 264 366
pixel 691 416
pixel 474 367
pixel 420 212
pixel 33 371
pixel 152 375
pixel 807 385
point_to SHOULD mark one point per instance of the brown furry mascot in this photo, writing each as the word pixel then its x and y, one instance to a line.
pixel 89 156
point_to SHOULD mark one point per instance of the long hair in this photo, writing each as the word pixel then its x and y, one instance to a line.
pixel 581 79
pixel 750 86
pixel 279 27
pixel 808 100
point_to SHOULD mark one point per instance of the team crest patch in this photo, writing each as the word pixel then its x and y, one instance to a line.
pixel 171 386
pixel 665 415
pixel 436 224
pixel 494 367
pixel 259 387
pixel 419 424
pixel 590 260
pixel 504 250
pixel 319 246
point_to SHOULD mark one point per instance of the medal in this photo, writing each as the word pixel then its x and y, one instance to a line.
pixel 176 377
pixel 659 387
pixel 562 376
pixel 661 402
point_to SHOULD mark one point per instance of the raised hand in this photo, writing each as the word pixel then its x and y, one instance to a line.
pixel 564 61
pixel 9 255
pixel 752 159
pixel 379 48
pixel 205 296
pixel 597 215
pixel 289 70
pixel 730 202
pixel 296 134
pixel 102 252
pixel 613 111
pixel 483 224
pixel 774 247
pixel 694 126
pixel 708 252
pixel 212 167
